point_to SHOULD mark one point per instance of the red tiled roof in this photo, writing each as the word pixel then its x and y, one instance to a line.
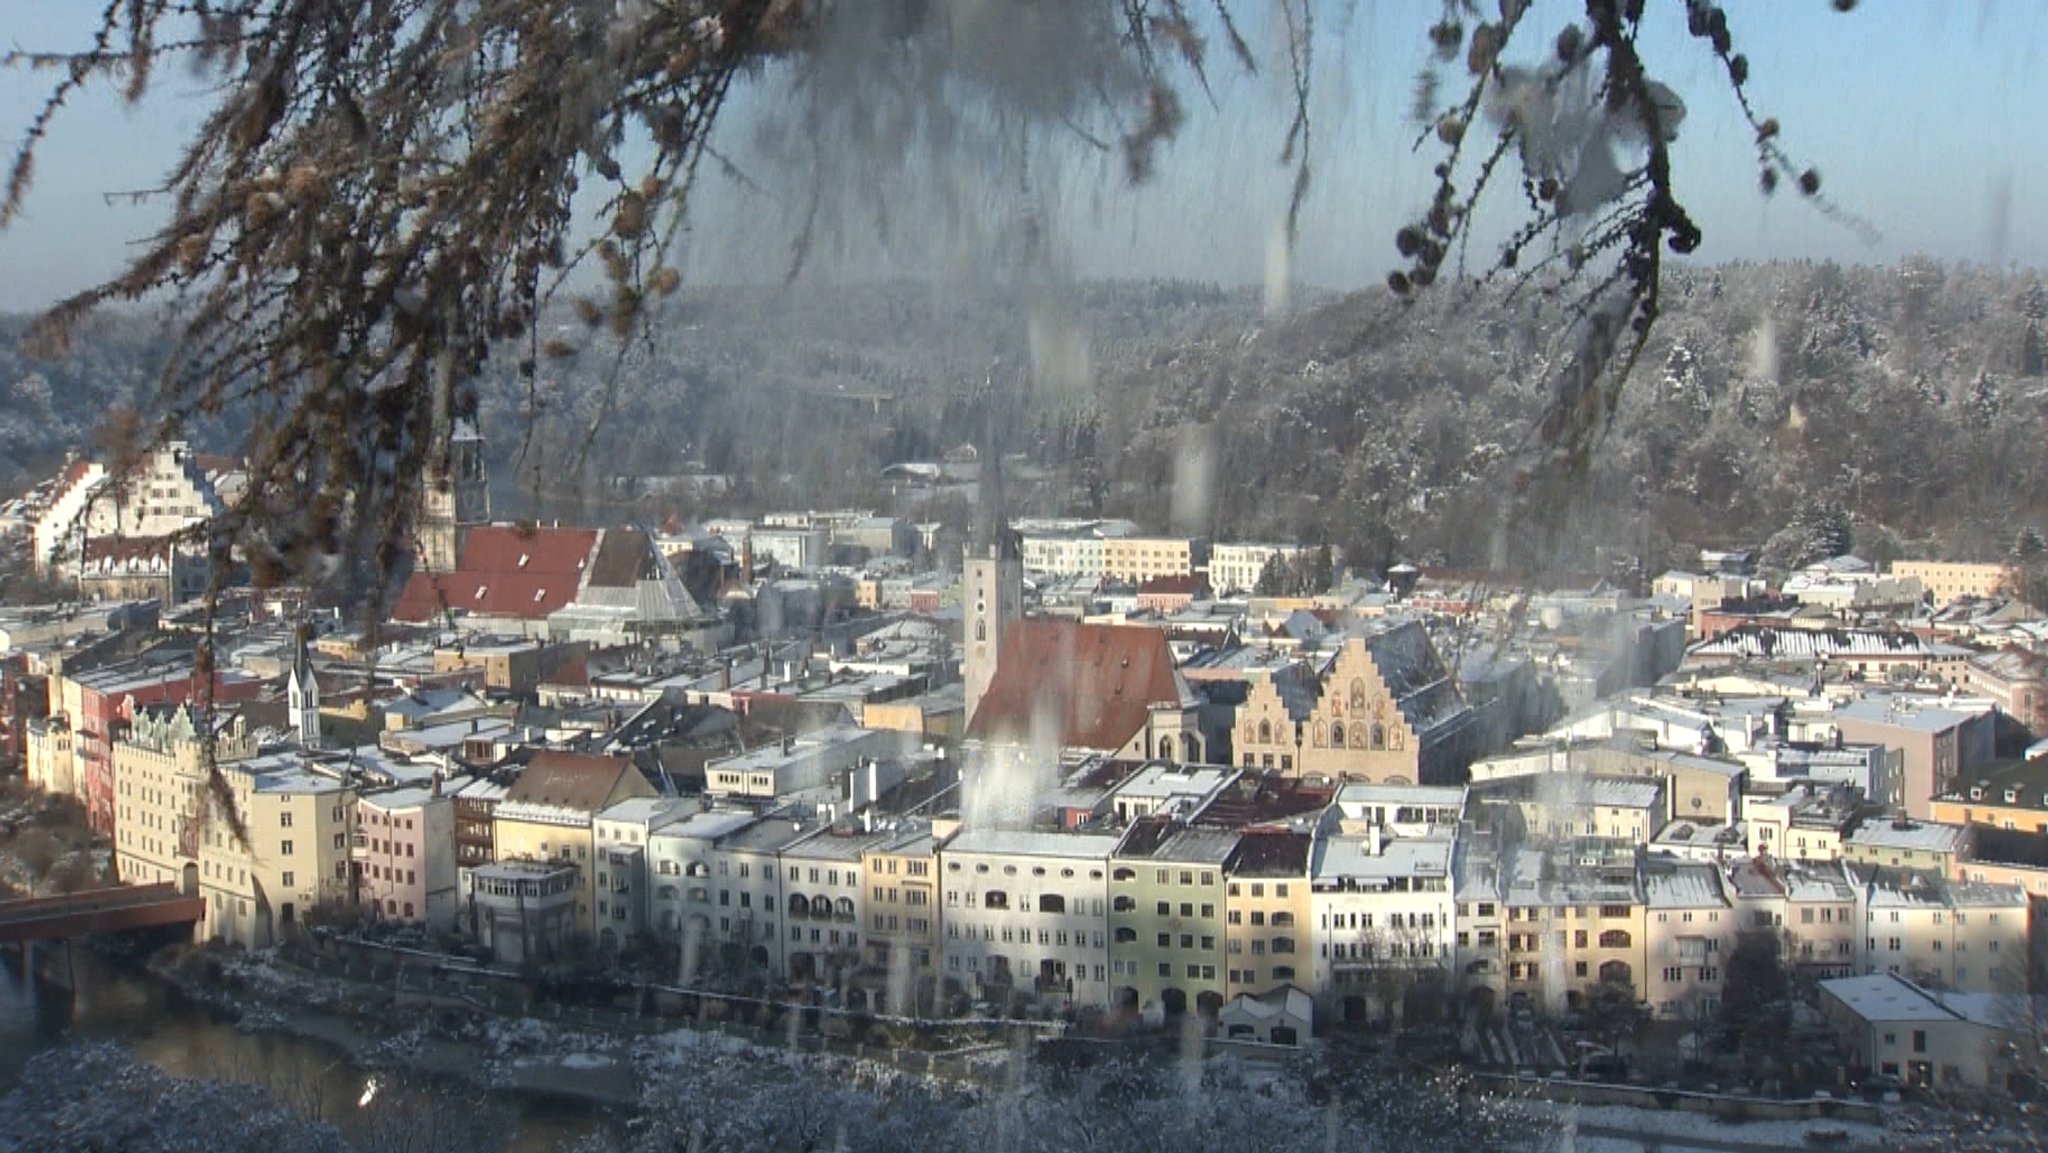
pixel 504 571
pixel 1096 681
pixel 1174 586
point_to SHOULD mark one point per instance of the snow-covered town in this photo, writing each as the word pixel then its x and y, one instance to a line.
pixel 1775 840
pixel 1084 576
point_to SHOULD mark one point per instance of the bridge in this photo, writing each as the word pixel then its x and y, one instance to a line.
pixel 120 909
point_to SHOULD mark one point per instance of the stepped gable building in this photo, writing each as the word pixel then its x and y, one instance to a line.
pixel 1384 708
pixel 1109 689
pixel 130 533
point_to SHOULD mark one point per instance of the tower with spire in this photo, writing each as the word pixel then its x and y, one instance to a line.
pixel 992 572
pixel 302 696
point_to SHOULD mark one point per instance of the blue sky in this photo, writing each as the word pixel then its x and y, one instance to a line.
pixel 1925 119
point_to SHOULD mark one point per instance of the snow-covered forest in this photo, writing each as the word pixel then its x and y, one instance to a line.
pixel 1890 403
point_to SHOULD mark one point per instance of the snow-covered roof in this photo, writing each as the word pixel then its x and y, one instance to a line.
pixel 1030 843
pixel 1887 997
pixel 1338 858
pixel 1286 1001
pixel 1922 836
pixel 1684 886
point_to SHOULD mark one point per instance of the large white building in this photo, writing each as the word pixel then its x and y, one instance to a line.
pixel 1381 900
pixel 1237 567
pixel 1025 914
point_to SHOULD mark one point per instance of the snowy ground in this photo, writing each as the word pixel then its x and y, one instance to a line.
pixel 1597 1129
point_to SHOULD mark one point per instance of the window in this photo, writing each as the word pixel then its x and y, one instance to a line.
pixel 284 819
pixel 284 848
pixel 289 880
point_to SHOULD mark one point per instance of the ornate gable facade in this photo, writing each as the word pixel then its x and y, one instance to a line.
pixel 1350 723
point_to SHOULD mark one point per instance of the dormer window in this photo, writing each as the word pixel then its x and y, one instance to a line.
pixel 1976 793
pixel 523 558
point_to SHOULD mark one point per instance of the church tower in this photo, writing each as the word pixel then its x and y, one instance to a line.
pixel 302 698
pixel 454 501
pixel 992 577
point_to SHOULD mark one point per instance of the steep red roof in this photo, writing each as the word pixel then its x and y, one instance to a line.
pixel 1097 682
pixel 505 570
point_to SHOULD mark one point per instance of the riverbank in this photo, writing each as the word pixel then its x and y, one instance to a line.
pixel 375 1030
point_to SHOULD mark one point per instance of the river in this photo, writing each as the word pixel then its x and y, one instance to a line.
pixel 114 1002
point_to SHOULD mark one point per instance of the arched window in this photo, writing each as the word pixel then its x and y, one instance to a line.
pixel 799 905
pixel 1614 939
pixel 1166 748
pixel 1357 694
pixel 1190 748
pixel 1379 735
pixel 1265 732
pixel 1052 903
pixel 1337 734
pixel 1126 935
pixel 1124 903
pixel 843 908
pixel 981 630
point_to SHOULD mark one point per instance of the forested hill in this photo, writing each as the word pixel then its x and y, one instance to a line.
pixel 1907 400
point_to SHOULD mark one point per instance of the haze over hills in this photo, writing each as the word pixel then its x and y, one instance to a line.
pixel 1767 392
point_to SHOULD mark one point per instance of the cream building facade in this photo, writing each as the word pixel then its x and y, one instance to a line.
pixel 159 794
pixel 1138 559
pixel 1166 917
pixel 1691 928
pixel 290 854
pixel 903 941
pixel 1267 914
pixel 1952 580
